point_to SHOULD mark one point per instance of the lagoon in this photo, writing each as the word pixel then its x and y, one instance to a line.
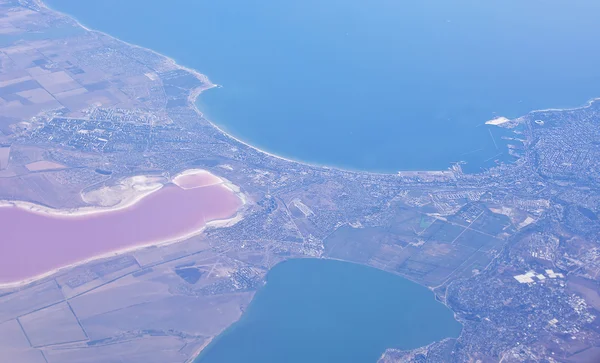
pixel 381 85
pixel 317 310
pixel 37 240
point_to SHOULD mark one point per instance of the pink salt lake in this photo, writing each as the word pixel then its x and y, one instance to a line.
pixel 33 243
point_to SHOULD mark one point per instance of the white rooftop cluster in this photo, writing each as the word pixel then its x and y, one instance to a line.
pixel 553 275
pixel 528 277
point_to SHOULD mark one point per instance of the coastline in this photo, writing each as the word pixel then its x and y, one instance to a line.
pixel 87 211
pixel 587 104
pixel 497 121
pixel 192 97
pixel 210 224
pixel 198 351
pixel 500 121
pixel 140 191
pixel 196 92
pixel 84 211
pixel 425 288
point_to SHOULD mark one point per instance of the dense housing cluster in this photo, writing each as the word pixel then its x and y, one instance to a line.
pixel 513 250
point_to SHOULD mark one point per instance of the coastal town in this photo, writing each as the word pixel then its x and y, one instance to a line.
pixel 511 250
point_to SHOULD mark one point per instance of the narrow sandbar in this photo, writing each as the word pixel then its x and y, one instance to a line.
pixel 37 241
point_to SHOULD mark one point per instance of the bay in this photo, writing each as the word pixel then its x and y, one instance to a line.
pixel 316 310
pixel 381 85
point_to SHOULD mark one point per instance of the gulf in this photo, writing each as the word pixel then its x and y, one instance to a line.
pixel 316 310
pixel 381 85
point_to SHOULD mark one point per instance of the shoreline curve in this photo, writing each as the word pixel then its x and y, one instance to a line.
pixel 207 84
pixel 195 93
pixel 94 211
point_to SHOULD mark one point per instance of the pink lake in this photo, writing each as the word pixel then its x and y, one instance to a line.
pixel 33 243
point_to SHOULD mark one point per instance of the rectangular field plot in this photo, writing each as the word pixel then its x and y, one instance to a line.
pixel 53 325
pixel 479 241
pixel 358 244
pixel 435 262
pixel 443 232
pixel 142 349
pixel 25 301
pixel 14 346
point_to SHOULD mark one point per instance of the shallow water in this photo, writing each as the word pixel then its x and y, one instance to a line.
pixel 35 243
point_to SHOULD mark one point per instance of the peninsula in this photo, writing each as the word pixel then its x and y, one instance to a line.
pixel 86 119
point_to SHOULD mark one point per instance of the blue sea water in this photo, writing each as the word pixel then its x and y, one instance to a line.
pixel 379 85
pixel 327 311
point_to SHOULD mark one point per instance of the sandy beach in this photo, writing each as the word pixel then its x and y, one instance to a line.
pixel 123 195
pixel 199 350
pixel 130 191
pixel 195 93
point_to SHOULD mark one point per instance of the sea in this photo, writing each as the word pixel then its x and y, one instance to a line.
pixel 378 85
pixel 373 85
pixel 326 311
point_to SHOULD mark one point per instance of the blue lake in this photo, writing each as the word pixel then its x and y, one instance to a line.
pixel 327 311
pixel 379 85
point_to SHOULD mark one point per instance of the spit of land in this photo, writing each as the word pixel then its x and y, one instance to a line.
pixel 41 240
